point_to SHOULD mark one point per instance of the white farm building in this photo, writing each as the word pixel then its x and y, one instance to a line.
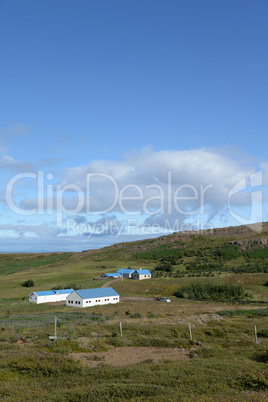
pixel 138 274
pixel 49 296
pixel 126 272
pixel 92 297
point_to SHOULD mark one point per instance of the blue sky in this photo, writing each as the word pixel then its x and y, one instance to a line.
pixel 160 100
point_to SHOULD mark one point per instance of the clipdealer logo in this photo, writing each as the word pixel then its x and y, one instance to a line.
pixel 253 185
pixel 131 199
pixel 166 199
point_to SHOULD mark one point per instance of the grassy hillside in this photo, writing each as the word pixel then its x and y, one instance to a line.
pixel 221 362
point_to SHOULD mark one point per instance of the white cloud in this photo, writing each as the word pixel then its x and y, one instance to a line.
pixel 147 169
pixel 38 230
pixel 8 162
pixel 144 189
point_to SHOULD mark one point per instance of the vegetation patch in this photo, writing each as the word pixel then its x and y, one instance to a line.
pixel 45 366
pixel 164 253
pixel 28 283
pixel 209 291
pixel 259 312
pixel 253 382
pixel 135 315
pixel 261 357
pixel 263 333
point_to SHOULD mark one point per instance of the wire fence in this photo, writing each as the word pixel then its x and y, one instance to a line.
pixel 48 319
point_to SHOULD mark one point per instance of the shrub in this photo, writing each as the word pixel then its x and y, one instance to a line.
pixel 227 252
pixel 28 284
pixel 253 382
pixel 175 333
pixel 205 291
pixel 44 366
pixel 263 333
pixel 215 332
pixel 262 357
pixel 136 315
pixel 164 266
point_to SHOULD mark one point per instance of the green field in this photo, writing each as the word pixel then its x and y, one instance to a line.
pixel 222 362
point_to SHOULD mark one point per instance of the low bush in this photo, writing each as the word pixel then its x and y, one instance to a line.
pixel 51 366
pixel 136 315
pixel 263 333
pixel 261 357
pixel 253 382
pixel 259 312
pixel 28 284
pixel 206 291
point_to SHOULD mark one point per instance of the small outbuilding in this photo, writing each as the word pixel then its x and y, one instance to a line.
pixel 140 274
pixel 49 296
pixel 126 272
pixel 92 297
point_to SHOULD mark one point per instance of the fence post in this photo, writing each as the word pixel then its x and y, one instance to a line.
pixel 121 333
pixel 255 332
pixel 55 327
pixel 190 332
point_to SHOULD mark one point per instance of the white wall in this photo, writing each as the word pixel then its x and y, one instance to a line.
pixel 74 300
pixel 140 277
pixel 34 298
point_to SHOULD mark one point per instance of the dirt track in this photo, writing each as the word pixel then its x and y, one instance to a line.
pixel 126 356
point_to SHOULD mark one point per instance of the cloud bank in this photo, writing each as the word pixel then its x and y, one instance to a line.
pixel 147 193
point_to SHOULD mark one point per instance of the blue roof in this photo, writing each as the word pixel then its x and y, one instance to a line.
pixel 143 271
pixel 99 292
pixel 45 293
pixel 63 291
pixel 125 271
pixel 54 292
pixel 113 274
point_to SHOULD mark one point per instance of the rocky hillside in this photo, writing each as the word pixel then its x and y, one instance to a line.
pixel 245 237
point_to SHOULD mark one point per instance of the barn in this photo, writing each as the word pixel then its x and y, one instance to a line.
pixel 140 274
pixel 49 296
pixel 92 297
